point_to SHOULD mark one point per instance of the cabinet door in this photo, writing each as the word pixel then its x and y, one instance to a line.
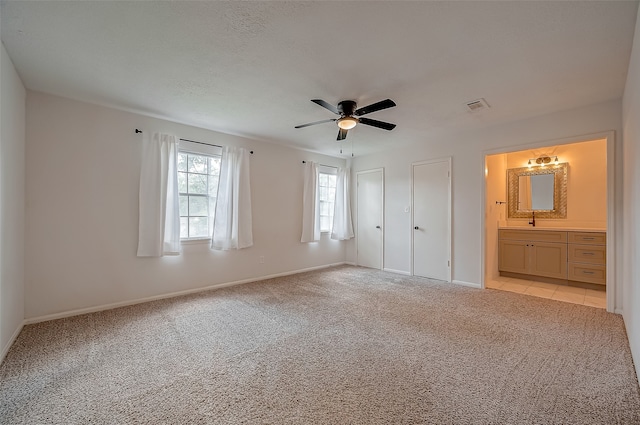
pixel 548 259
pixel 513 256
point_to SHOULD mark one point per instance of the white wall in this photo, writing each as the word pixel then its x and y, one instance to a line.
pixel 12 166
pixel 467 151
pixel 631 208
pixel 82 212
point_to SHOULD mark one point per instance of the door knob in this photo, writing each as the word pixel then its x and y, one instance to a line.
pixel 377 227
pixel 417 228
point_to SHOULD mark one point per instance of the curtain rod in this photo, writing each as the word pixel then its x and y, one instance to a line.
pixel 193 141
pixel 328 166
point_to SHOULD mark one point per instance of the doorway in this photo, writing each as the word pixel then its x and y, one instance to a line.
pixel 589 215
pixel 369 228
pixel 431 238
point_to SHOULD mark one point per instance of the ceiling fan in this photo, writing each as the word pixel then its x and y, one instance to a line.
pixel 350 116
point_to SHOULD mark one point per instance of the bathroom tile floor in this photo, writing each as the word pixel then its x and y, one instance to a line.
pixel 569 294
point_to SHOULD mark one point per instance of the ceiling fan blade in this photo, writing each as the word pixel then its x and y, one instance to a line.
pixel 376 123
pixel 378 106
pixel 314 123
pixel 326 105
pixel 342 134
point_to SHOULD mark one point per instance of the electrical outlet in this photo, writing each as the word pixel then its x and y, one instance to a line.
pixel 261 259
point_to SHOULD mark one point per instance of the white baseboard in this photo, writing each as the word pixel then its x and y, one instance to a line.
pixel 6 348
pixel 469 284
pixel 103 307
pixel 397 271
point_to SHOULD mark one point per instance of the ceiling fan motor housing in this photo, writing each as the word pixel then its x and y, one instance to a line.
pixel 347 107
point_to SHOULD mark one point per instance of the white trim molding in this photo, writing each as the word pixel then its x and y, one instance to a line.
pixel 468 284
pixel 402 272
pixel 6 348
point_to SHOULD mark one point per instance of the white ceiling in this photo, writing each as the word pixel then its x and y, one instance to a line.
pixel 251 68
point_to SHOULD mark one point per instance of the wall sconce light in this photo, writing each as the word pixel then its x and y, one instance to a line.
pixel 542 161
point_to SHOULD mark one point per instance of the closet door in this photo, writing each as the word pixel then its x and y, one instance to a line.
pixel 432 219
pixel 370 232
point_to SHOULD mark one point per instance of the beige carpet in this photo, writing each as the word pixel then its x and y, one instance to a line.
pixel 340 346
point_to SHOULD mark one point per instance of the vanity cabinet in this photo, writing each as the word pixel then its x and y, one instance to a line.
pixel 565 255
pixel 539 253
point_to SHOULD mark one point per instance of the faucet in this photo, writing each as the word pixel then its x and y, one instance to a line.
pixel 533 218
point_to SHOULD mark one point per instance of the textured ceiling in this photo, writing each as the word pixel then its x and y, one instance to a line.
pixel 251 68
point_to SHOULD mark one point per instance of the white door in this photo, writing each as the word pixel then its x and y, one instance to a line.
pixel 432 219
pixel 369 227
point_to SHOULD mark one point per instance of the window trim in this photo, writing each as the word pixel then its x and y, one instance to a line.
pixel 195 241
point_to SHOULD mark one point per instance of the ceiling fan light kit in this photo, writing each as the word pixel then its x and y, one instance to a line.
pixel 347 123
pixel 349 115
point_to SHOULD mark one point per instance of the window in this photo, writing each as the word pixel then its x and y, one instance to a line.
pixel 198 176
pixel 327 195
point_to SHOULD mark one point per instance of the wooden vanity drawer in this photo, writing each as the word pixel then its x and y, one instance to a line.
pixel 533 235
pixel 590 273
pixel 590 238
pixel 592 254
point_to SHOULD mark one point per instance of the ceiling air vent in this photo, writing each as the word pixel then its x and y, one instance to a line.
pixel 477 105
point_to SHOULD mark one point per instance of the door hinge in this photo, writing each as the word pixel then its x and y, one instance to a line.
pixel 448 263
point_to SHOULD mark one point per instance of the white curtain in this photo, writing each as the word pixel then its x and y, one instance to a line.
pixel 342 224
pixel 310 204
pixel 232 226
pixel 159 211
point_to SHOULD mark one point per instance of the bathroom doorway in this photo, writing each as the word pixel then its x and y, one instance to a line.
pixel 533 252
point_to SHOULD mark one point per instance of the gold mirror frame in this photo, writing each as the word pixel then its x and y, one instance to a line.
pixel 559 191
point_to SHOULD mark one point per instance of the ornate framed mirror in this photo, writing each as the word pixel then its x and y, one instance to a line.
pixel 539 189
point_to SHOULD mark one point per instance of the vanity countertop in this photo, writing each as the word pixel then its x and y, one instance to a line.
pixel 557 229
